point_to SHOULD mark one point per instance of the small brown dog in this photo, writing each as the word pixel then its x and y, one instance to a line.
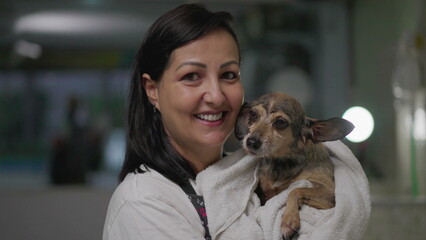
pixel 274 128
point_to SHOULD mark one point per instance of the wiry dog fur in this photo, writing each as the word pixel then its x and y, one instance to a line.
pixel 274 128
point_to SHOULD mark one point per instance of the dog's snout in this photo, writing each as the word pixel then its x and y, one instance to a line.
pixel 253 143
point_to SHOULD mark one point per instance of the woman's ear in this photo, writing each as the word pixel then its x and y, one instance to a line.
pixel 151 89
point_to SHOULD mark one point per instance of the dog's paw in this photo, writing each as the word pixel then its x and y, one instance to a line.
pixel 288 232
pixel 290 225
pixel 294 237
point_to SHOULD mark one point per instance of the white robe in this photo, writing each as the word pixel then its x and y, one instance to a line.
pixel 149 206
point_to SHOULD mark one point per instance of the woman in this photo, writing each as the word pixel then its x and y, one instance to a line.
pixel 184 99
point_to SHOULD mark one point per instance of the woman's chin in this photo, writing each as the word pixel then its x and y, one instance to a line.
pixel 214 140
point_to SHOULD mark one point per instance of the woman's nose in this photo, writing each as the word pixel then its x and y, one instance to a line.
pixel 214 94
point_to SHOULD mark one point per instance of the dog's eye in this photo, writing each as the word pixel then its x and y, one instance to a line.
pixel 252 115
pixel 281 124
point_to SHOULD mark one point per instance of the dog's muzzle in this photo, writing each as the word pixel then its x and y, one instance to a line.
pixel 253 143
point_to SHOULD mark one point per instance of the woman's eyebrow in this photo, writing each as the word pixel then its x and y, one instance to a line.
pixel 191 63
pixel 229 63
pixel 198 64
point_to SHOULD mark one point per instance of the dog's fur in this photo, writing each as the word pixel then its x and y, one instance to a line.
pixel 274 128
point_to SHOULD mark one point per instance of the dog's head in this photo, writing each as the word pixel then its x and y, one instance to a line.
pixel 275 125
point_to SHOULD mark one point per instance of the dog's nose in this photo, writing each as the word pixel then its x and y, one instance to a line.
pixel 253 143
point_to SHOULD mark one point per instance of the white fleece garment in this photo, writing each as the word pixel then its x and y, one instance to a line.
pixel 234 210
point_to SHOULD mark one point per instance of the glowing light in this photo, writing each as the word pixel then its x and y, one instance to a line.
pixel 363 121
pixel 71 22
pixel 27 49
pixel 420 124
pixel 114 150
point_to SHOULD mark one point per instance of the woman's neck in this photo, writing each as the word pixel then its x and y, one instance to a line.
pixel 200 158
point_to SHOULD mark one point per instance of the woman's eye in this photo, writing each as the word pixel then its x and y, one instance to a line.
pixel 229 75
pixel 191 77
pixel 281 124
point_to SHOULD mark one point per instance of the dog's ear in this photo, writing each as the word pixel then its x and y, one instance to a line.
pixel 326 130
pixel 241 126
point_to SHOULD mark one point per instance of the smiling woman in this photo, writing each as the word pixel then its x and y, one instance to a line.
pixel 184 99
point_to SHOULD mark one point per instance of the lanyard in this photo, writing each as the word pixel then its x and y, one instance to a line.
pixel 198 203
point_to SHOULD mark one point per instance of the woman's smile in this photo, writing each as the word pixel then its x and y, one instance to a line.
pixel 211 118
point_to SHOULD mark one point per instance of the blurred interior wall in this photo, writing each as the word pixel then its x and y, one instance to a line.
pixel 377 28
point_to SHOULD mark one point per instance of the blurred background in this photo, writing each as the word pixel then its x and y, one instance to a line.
pixel 64 73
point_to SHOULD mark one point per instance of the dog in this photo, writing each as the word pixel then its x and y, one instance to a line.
pixel 274 128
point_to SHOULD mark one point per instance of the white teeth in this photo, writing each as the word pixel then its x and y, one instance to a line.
pixel 210 117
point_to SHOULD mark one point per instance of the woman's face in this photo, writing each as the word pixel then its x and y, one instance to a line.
pixel 200 93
